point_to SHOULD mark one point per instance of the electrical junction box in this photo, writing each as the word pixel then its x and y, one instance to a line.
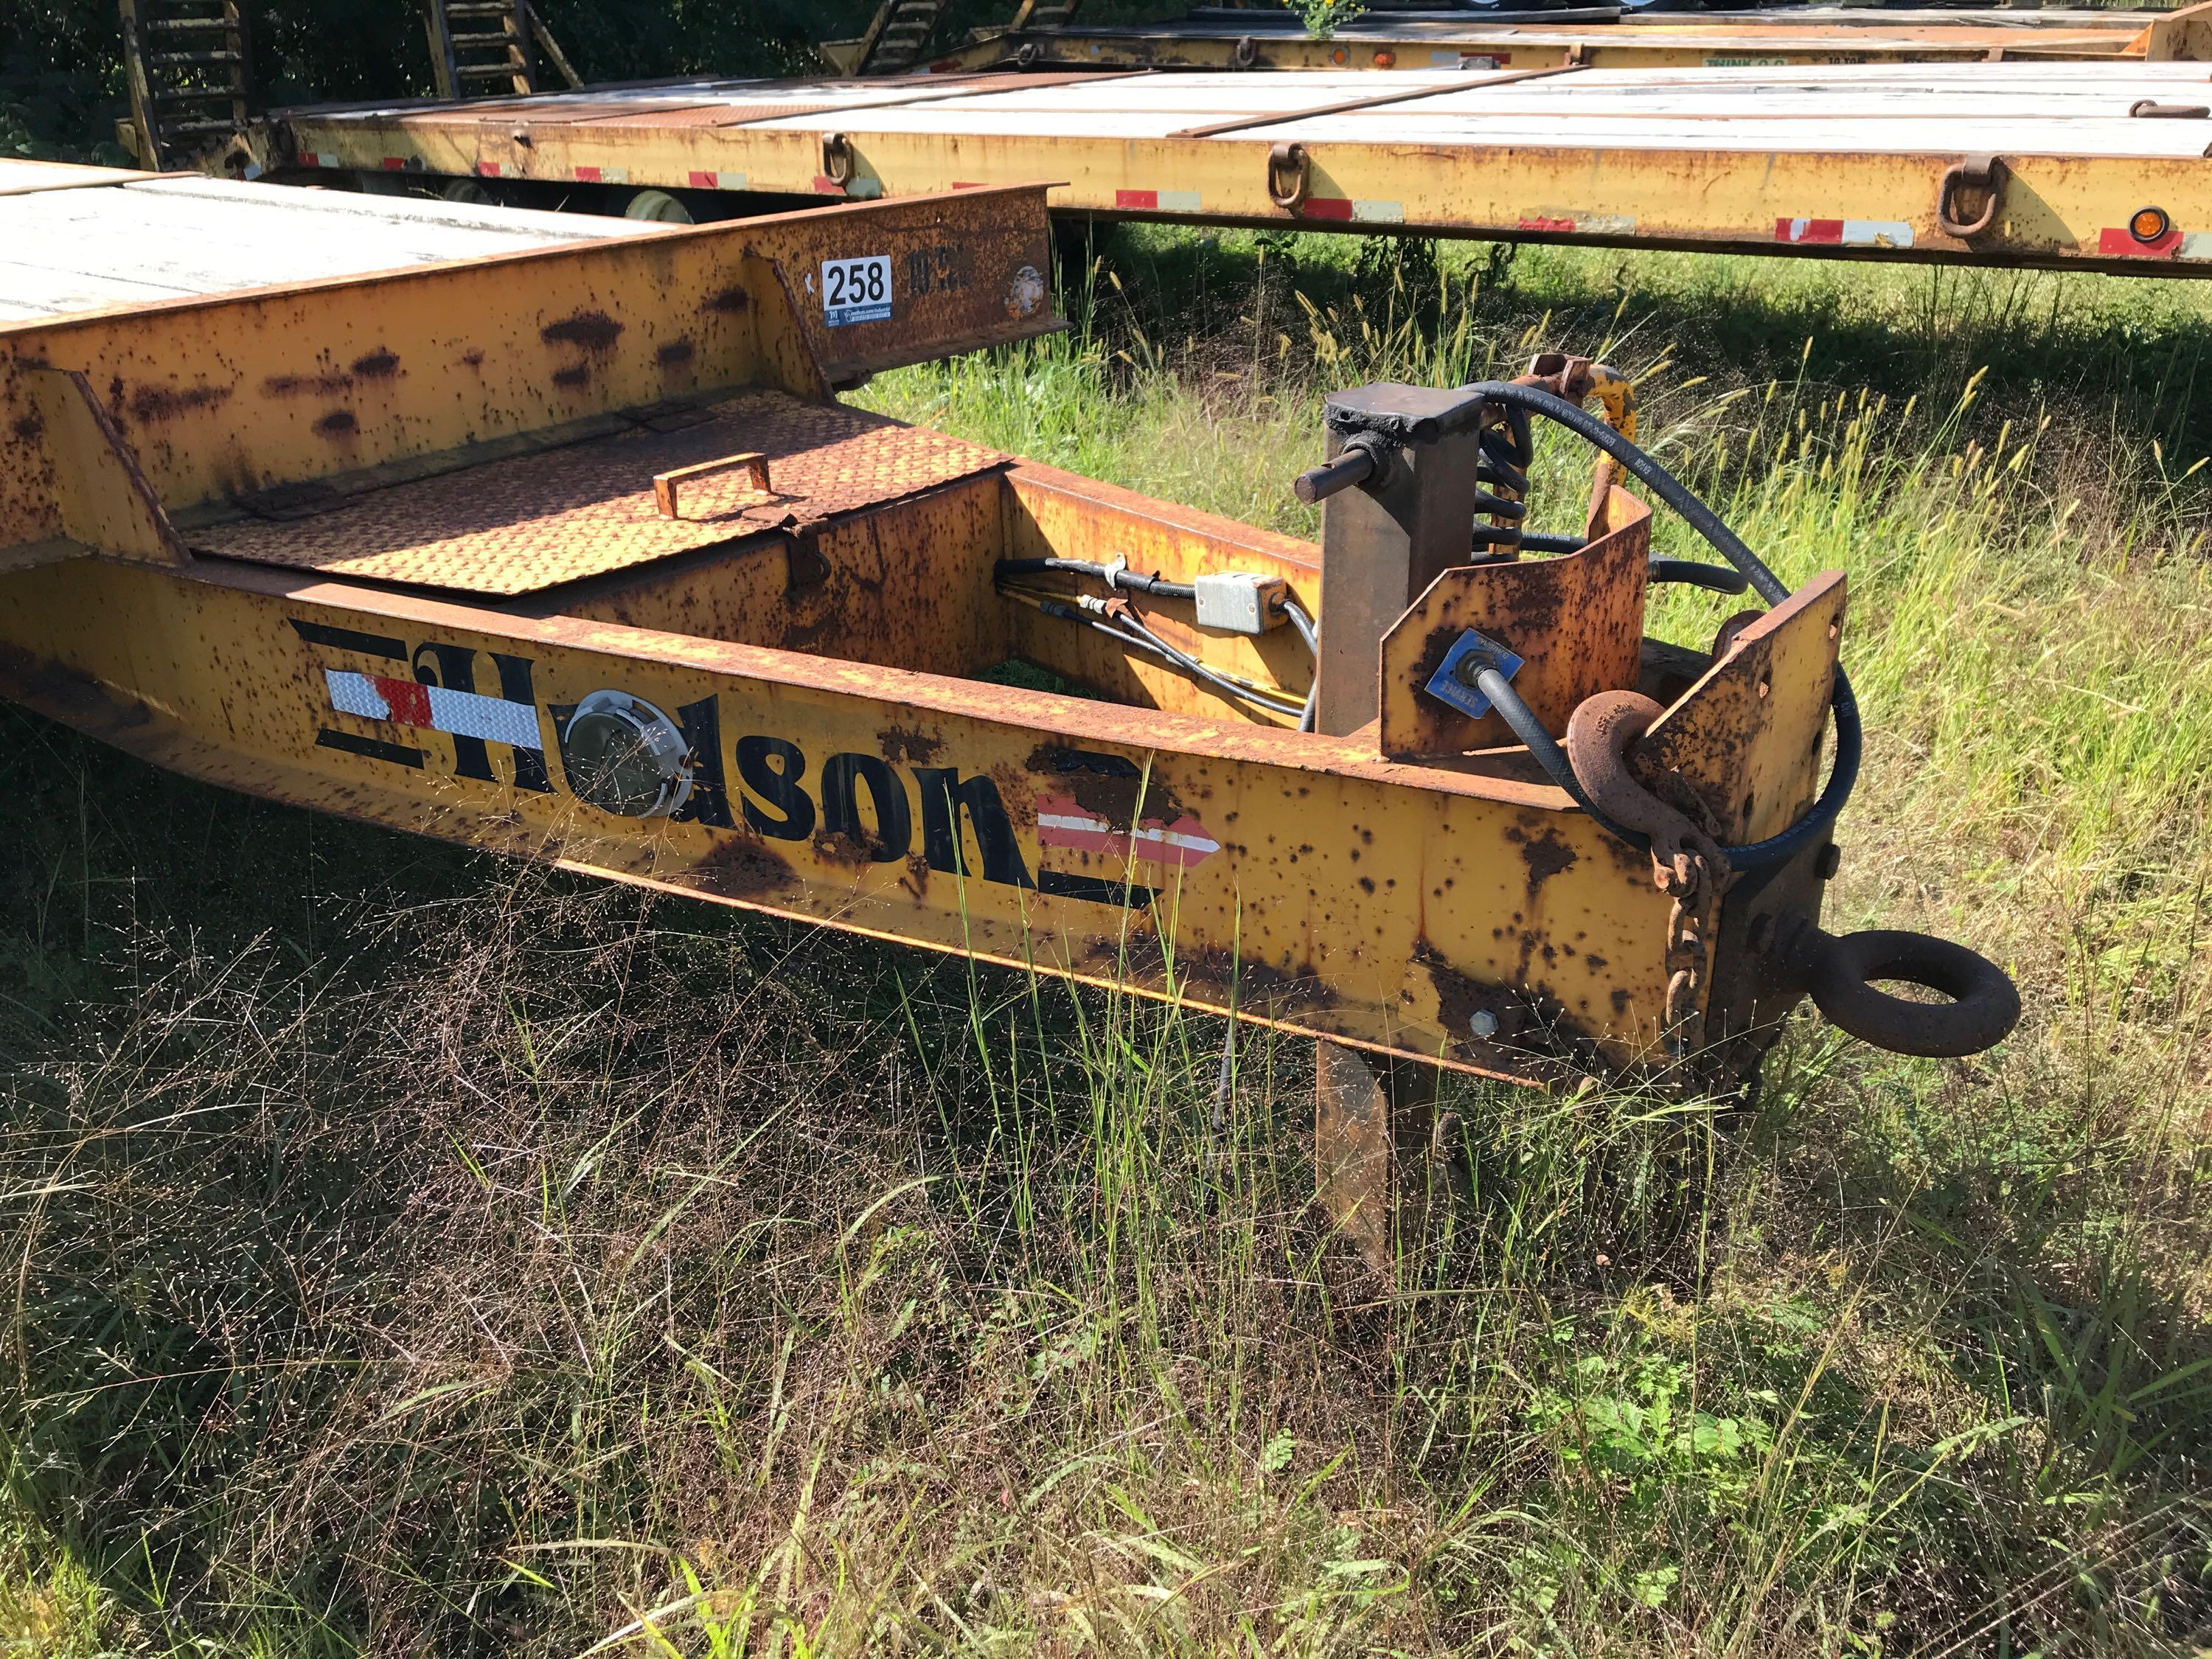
pixel 1240 602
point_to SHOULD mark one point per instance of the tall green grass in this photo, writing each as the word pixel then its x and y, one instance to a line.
pixel 423 1256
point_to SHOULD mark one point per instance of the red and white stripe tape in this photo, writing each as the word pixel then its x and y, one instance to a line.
pixel 1353 206
pixel 1063 823
pixel 1844 233
pixel 1157 201
pixel 433 708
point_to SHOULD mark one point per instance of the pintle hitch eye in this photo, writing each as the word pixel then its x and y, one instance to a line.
pixel 1840 974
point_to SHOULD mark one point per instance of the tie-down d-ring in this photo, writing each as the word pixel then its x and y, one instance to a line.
pixel 1839 975
pixel 1289 176
pixel 1975 173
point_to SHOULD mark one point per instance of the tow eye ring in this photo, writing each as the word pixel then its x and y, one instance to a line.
pixel 1839 974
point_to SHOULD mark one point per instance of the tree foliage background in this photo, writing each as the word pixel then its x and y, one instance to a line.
pixel 61 61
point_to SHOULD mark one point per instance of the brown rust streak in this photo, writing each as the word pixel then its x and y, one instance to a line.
pixel 325 385
pixel 1112 786
pixel 162 403
pixel 592 331
pixel 900 743
pixel 1533 1036
pixel 742 868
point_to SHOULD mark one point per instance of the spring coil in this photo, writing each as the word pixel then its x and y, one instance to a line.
pixel 1507 453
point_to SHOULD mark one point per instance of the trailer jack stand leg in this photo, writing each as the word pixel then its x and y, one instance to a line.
pixel 1372 1131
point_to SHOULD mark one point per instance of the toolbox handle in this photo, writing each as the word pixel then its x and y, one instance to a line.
pixel 666 484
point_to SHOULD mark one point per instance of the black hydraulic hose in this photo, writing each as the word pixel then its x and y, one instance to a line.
pixel 1714 578
pixel 1133 628
pixel 1663 485
pixel 1529 541
pixel 1150 643
pixel 1112 575
pixel 1546 748
pixel 1670 489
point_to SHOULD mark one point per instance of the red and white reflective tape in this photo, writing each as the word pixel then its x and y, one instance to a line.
pixel 1347 207
pixel 1844 233
pixel 1561 223
pixel 602 175
pixel 1063 823
pixel 397 164
pixel 702 179
pixel 317 158
pixel 489 169
pixel 433 708
pixel 1157 201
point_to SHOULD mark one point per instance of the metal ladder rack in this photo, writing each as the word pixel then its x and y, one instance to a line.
pixel 189 71
pixel 898 35
pixel 480 47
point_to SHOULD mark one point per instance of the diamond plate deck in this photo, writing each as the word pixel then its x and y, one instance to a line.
pixel 585 509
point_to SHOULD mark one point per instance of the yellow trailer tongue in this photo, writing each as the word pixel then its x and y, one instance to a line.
pixel 568 551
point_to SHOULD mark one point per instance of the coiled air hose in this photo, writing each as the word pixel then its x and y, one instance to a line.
pixel 1544 748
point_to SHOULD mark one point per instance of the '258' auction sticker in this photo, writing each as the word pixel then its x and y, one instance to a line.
pixel 856 290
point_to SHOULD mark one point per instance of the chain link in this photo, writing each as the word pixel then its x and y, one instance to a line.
pixel 1695 879
pixel 1689 929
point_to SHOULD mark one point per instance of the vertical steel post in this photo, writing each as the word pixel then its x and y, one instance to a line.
pixel 1383 541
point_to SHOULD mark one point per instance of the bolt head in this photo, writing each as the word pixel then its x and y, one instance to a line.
pixel 1482 1023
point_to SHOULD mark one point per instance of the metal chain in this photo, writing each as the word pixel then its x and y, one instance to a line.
pixel 1689 926
pixel 1695 881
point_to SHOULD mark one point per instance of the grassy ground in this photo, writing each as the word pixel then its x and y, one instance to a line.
pixel 407 1252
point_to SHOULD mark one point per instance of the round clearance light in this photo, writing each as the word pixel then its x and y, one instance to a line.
pixel 2149 224
pixel 625 756
pixel 1385 59
pixel 1340 56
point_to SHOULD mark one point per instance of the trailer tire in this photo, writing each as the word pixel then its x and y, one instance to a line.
pixel 658 206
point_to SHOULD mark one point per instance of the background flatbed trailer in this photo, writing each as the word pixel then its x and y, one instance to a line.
pixel 1227 38
pixel 2073 165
